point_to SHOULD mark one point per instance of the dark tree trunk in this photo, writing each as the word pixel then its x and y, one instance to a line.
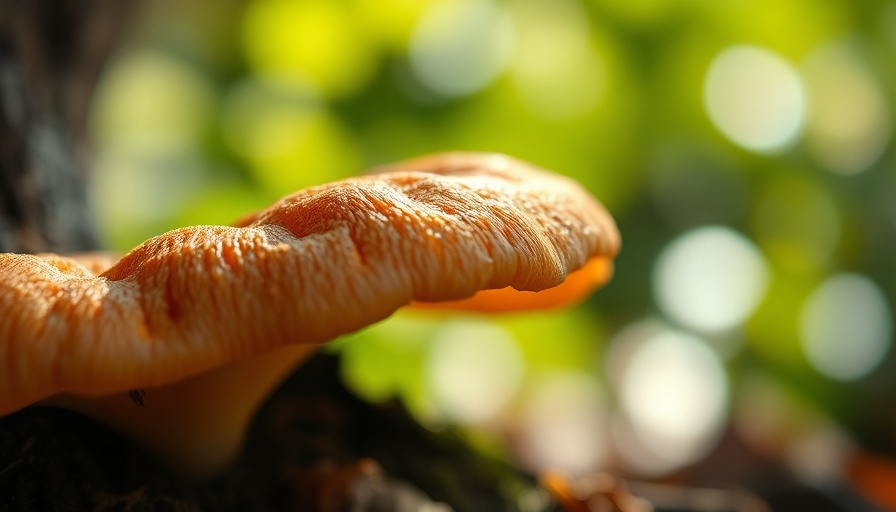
pixel 51 53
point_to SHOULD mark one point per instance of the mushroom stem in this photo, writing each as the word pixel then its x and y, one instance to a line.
pixel 198 316
pixel 195 426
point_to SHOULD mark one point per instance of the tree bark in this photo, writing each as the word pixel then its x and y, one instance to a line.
pixel 51 53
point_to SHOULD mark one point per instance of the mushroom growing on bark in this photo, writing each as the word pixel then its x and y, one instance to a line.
pixel 208 319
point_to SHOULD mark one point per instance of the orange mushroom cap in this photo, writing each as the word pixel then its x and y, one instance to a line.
pixel 317 264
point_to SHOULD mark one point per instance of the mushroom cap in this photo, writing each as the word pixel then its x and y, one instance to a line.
pixel 322 262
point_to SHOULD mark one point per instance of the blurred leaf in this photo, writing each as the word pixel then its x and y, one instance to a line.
pixel 319 39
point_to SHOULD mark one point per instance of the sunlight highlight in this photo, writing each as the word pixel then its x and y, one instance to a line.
pixel 474 369
pixel 849 122
pixel 321 40
pixel 845 327
pixel 564 425
pixel 556 70
pixel 755 98
pixel 673 392
pixel 461 46
pixel 710 279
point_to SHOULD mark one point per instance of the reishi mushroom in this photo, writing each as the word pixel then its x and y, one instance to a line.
pixel 208 319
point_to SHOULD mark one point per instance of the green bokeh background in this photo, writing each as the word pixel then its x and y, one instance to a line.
pixel 216 108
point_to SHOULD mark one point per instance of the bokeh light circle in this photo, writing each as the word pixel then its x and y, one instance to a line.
pixel 564 424
pixel 755 98
pixel 461 46
pixel 845 327
pixel 673 391
pixel 710 279
pixel 474 369
pixel 849 124
pixel 556 70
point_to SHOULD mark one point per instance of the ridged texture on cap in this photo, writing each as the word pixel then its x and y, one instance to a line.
pixel 320 263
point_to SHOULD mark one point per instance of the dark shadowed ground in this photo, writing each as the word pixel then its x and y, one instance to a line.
pixel 312 447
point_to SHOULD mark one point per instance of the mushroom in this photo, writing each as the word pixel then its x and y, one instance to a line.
pixel 209 319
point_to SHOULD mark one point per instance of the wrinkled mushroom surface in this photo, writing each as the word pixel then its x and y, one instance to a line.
pixel 322 262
